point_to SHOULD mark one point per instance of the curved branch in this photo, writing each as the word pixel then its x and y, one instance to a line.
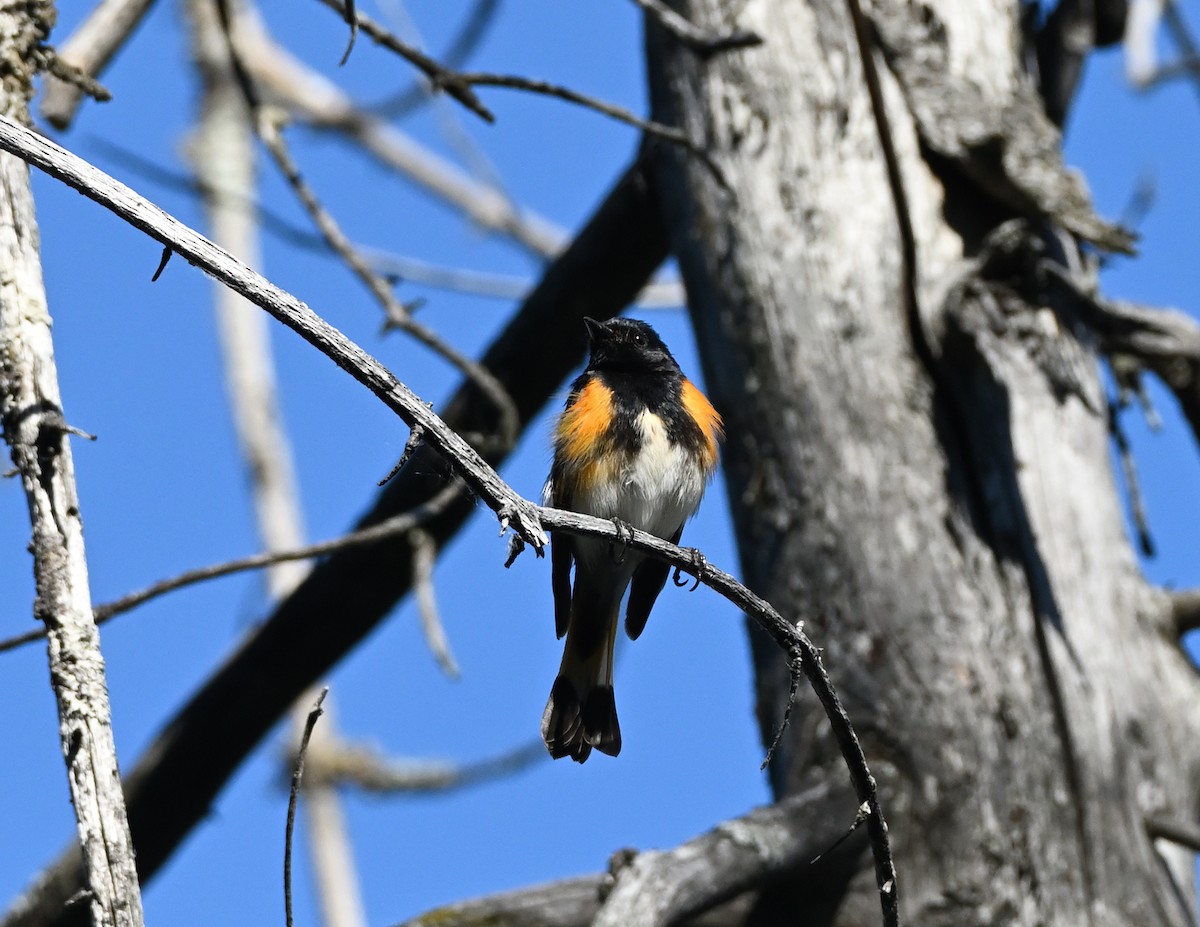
pixel 59 163
pixel 171 788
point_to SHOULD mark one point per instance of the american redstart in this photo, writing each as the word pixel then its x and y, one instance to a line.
pixel 636 443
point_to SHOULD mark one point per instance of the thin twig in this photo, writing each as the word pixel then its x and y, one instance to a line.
pixel 397 314
pixel 398 524
pixel 458 84
pixel 703 43
pixel 414 441
pixel 671 134
pixel 324 106
pixel 1137 503
pixel 474 30
pixel 424 556
pixel 297 777
pixel 441 77
pixel 361 766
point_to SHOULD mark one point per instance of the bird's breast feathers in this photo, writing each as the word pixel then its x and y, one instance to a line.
pixel 649 478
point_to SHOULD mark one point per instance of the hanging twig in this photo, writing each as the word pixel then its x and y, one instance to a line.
pixel 424 556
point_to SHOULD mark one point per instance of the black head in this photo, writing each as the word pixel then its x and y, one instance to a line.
pixel 627 344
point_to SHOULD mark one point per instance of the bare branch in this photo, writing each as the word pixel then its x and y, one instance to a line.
pixel 42 153
pixel 1185 610
pixel 458 83
pixel 297 777
pixel 1164 341
pixel 396 525
pixel 694 37
pixel 803 658
pixel 1184 833
pixel 474 28
pixel 675 886
pixel 90 49
pixel 361 766
pixel 172 788
pixel 398 315
pixel 319 102
pixel 441 77
pixel 35 430
pixel 424 557
pixel 649 127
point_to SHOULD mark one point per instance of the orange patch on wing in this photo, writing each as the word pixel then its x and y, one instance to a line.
pixel 696 404
pixel 583 429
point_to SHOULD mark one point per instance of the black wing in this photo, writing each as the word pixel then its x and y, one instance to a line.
pixel 648 581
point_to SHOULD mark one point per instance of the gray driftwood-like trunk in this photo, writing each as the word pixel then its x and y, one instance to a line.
pixel 926 483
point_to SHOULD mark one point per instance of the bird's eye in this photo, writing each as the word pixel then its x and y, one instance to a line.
pixel 640 340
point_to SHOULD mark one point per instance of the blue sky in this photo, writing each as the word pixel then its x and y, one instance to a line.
pixel 162 489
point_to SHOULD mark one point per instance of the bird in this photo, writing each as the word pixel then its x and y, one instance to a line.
pixel 637 443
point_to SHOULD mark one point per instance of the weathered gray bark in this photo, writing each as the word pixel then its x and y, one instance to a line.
pixel 932 495
pixel 36 431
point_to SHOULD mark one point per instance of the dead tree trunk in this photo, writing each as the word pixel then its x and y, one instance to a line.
pixel 918 461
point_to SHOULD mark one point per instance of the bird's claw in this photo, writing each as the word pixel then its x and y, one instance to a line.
pixel 624 536
pixel 699 565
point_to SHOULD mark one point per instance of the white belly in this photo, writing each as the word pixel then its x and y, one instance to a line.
pixel 657 489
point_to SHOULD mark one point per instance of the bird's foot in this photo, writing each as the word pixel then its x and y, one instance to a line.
pixel 699 565
pixel 620 546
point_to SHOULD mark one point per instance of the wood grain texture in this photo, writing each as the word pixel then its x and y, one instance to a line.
pixel 36 430
pixel 974 590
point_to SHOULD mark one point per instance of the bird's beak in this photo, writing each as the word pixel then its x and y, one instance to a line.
pixel 594 329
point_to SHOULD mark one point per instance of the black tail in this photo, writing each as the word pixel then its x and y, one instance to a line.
pixel 573 723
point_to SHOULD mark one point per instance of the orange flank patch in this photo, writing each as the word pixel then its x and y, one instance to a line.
pixel 696 404
pixel 582 429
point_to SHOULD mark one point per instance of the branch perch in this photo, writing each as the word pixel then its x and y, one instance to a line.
pixel 171 788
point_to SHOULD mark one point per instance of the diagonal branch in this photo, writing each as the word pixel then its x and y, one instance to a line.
pixel 674 886
pixel 400 524
pixel 170 232
pixel 171 788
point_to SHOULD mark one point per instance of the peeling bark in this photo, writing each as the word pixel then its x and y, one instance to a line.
pixel 952 535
